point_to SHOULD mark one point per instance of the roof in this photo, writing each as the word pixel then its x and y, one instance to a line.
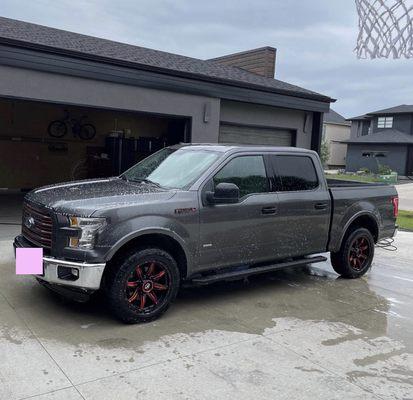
pixel 43 38
pixel 359 118
pixel 385 136
pixel 333 117
pixel 401 109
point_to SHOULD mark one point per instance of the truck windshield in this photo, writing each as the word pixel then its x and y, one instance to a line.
pixel 172 168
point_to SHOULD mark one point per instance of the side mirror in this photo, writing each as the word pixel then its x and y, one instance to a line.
pixel 225 193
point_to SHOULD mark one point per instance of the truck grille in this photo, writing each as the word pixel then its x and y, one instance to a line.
pixel 37 226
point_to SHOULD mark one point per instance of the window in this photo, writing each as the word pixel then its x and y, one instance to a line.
pixel 385 122
pixel 368 154
pixel 247 172
pixel 296 173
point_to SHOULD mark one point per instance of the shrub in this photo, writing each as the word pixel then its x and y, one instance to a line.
pixel 384 170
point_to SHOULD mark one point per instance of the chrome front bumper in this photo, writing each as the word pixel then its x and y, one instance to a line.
pixel 89 275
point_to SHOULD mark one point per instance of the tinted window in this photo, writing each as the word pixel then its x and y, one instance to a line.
pixel 247 172
pixel 296 173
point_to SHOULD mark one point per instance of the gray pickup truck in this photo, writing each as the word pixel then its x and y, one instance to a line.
pixel 199 214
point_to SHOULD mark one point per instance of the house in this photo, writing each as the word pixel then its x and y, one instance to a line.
pixel 137 99
pixel 383 137
pixel 336 129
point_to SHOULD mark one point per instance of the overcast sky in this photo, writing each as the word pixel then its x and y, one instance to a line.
pixel 315 39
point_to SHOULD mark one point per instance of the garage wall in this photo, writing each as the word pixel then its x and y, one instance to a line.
pixel 254 114
pixel 30 84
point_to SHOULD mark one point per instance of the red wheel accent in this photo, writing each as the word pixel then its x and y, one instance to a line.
pixel 147 285
pixel 359 253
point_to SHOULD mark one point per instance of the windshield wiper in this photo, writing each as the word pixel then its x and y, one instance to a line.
pixel 148 181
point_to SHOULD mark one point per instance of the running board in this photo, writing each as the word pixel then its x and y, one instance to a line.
pixel 206 280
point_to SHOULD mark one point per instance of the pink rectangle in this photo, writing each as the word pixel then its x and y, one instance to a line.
pixel 29 261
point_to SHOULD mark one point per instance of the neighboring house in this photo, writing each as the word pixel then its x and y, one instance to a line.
pixel 336 129
pixel 140 93
pixel 383 137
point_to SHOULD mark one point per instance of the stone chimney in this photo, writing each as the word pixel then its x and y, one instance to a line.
pixel 258 61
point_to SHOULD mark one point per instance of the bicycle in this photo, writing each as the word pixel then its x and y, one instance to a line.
pixel 59 127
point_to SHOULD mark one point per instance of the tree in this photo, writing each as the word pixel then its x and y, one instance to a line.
pixel 324 152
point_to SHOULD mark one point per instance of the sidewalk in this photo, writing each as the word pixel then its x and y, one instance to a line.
pixel 405 196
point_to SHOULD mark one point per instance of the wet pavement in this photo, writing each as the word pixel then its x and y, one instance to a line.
pixel 302 333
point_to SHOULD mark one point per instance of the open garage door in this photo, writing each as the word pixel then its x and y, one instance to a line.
pixel 43 143
pixel 244 134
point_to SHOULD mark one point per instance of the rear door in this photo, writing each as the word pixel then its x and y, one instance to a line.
pixel 304 205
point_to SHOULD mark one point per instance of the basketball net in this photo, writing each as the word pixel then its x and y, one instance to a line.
pixel 386 28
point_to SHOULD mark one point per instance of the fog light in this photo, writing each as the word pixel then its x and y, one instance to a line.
pixel 73 242
pixel 75 272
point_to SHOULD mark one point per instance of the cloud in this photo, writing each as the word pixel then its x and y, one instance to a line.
pixel 315 39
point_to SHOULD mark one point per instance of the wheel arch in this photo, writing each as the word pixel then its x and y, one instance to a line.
pixel 362 220
pixel 158 239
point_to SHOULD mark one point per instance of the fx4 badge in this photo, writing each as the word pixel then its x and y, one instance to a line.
pixel 185 210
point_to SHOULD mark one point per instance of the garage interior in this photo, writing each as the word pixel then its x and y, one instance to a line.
pixel 31 157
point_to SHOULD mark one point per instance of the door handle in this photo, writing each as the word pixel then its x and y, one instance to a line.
pixel 320 206
pixel 269 210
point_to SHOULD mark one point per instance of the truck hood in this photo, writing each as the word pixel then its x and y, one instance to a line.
pixel 85 197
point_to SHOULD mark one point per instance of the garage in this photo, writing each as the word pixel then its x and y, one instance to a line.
pixel 76 107
pixel 250 134
pixel 43 143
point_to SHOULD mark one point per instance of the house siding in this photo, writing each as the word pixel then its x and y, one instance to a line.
pixel 334 134
pixel 396 157
pixel 401 122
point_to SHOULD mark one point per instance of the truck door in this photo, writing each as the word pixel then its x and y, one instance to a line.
pixel 235 234
pixel 303 219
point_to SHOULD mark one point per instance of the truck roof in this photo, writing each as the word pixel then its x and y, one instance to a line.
pixel 225 147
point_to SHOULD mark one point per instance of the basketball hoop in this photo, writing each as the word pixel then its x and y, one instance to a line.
pixel 386 28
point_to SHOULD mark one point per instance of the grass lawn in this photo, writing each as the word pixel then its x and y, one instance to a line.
pixel 405 220
pixel 358 178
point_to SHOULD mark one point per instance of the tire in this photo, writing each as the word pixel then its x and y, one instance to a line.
pixel 143 285
pixel 356 254
pixel 87 131
pixel 57 129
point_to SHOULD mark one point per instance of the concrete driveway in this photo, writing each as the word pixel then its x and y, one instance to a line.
pixel 405 196
pixel 295 334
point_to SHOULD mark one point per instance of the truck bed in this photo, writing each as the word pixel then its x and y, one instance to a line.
pixel 349 199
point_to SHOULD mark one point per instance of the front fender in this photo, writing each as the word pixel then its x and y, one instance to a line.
pixel 129 230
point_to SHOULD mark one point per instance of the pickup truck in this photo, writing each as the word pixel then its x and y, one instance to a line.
pixel 197 214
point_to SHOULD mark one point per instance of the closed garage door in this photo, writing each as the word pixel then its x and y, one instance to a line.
pixel 242 134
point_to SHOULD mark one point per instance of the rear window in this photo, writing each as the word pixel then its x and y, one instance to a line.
pixel 295 173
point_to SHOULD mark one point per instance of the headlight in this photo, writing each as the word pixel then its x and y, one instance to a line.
pixel 88 229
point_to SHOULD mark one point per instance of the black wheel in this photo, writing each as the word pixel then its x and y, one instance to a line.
pixel 87 131
pixel 143 286
pixel 57 129
pixel 355 255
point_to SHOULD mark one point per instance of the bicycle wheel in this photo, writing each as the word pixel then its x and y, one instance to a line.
pixel 57 129
pixel 87 131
